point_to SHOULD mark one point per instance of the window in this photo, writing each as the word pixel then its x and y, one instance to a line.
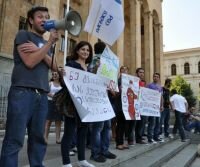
pixel 70 45
pixel 199 67
pixel 186 68
pixel 173 69
pixel 23 23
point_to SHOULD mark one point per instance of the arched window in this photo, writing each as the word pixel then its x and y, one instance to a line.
pixel 199 67
pixel 186 68
pixel 173 69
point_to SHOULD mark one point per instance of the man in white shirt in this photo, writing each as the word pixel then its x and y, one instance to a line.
pixel 179 106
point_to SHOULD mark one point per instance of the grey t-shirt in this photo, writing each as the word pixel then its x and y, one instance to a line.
pixel 36 77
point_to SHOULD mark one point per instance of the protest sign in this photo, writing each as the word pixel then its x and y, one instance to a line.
pixel 106 20
pixel 89 94
pixel 129 96
pixel 149 102
pixel 109 65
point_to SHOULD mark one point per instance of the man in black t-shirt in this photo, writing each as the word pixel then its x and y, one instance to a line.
pixel 165 114
pixel 27 98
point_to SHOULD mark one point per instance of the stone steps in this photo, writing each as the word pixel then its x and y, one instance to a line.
pixel 122 155
pixel 196 162
pixel 184 158
pixel 157 156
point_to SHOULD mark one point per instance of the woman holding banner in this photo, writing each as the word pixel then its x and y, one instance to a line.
pixel 81 56
pixel 121 121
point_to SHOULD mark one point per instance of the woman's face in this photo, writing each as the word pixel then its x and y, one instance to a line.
pixel 55 75
pixel 83 52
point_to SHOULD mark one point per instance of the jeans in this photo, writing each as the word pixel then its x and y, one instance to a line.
pixel 156 128
pixel 150 128
pixel 70 126
pixel 179 124
pixel 165 116
pixel 120 128
pixel 26 109
pixel 193 125
pixel 100 138
pixel 129 130
pixel 139 128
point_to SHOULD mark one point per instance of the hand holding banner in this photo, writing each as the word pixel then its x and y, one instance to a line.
pixel 129 97
pixel 149 102
pixel 89 94
pixel 109 65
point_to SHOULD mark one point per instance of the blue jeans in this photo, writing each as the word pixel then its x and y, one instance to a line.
pixel 100 138
pixel 179 123
pixel 26 109
pixel 193 125
pixel 150 128
pixel 156 128
pixel 165 116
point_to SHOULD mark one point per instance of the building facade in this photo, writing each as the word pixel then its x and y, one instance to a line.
pixel 185 63
pixel 140 45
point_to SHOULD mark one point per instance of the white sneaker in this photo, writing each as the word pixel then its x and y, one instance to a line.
pixel 74 149
pixel 84 163
pixel 171 136
pixel 71 153
pixel 68 165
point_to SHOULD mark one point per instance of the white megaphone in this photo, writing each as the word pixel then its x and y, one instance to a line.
pixel 72 23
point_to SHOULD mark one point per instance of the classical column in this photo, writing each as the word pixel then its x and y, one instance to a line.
pixel 157 47
pixel 135 35
pixel 148 45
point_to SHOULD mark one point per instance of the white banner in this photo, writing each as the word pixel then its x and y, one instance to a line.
pixel 106 20
pixel 89 94
pixel 149 102
pixel 129 97
pixel 109 66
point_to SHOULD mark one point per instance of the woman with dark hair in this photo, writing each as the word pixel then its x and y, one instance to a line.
pixel 53 115
pixel 81 56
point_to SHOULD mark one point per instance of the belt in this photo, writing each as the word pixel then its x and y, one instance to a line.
pixel 36 90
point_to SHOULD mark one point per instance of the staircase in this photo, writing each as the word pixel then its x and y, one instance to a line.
pixel 172 153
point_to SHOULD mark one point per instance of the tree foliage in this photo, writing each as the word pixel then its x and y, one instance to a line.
pixel 183 88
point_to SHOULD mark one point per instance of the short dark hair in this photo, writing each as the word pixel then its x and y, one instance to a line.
pixel 99 47
pixel 173 91
pixel 156 73
pixel 124 68
pixel 74 55
pixel 31 12
pixel 167 81
pixel 138 69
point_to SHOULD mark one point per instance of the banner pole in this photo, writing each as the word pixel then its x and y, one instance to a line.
pixel 66 36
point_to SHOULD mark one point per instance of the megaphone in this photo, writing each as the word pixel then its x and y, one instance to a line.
pixel 72 23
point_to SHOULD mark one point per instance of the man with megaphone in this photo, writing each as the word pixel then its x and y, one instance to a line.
pixel 27 99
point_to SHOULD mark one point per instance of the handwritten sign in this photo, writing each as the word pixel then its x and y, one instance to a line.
pixel 109 66
pixel 129 97
pixel 89 94
pixel 149 102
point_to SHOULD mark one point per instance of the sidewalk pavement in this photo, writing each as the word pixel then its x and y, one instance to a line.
pixel 122 155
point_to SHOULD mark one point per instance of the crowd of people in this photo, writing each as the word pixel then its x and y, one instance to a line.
pixel 30 104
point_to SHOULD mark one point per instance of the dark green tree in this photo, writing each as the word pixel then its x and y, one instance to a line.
pixel 183 88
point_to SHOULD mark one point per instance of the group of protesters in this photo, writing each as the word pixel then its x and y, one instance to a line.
pixel 29 108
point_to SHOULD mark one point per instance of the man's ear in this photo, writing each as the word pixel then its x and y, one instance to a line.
pixel 31 21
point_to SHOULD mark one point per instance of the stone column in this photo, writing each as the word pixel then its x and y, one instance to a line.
pixel 148 46
pixel 135 35
pixel 157 47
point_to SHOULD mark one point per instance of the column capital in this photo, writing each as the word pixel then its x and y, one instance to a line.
pixel 158 25
pixel 147 14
